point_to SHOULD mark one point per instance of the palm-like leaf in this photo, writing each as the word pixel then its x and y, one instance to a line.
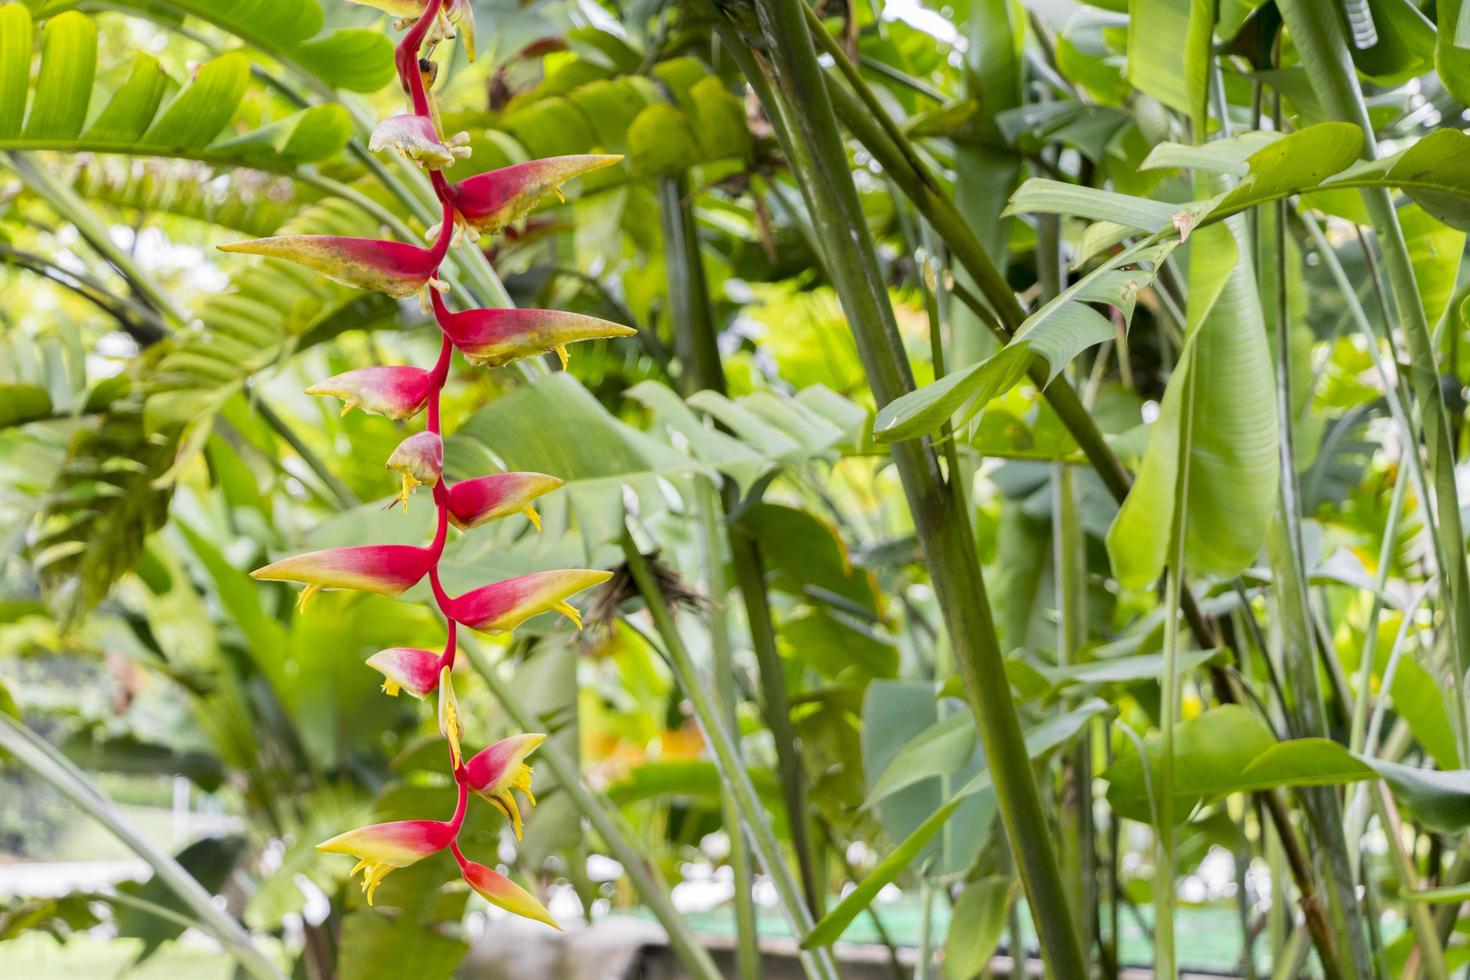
pixel 149 113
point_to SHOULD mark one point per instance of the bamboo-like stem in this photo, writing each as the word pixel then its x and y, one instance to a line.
pixel 43 759
pixel 604 819
pixel 717 585
pixel 699 356
pixel 817 963
pixel 1318 37
pixel 1304 706
pixel 942 522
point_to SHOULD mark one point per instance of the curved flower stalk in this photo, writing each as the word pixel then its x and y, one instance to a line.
pixel 487 202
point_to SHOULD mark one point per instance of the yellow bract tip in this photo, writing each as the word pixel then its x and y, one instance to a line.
pixel 569 611
pixel 532 516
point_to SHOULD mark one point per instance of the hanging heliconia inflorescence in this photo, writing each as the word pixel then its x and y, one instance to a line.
pixel 484 203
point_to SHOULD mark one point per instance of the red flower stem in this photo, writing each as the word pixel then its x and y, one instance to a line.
pixel 457 820
pixel 406 58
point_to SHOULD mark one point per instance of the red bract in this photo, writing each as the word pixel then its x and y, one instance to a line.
pixel 502 606
pixel 497 337
pixel 408 669
pixel 491 201
pixel 487 202
pixel 367 263
pixel 397 392
pixel 487 498
pixel 386 569
pixel 499 890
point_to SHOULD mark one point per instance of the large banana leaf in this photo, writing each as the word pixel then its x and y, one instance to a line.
pixel 1219 412
pixel 149 113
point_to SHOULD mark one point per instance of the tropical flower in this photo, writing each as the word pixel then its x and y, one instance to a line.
pixel 382 847
pixel 389 267
pixel 407 669
pixel 420 460
pixel 490 202
pixel 487 498
pixel 499 890
pixel 386 569
pixel 457 12
pixel 449 724
pixel 397 392
pixel 416 138
pixel 502 606
pixel 495 771
pixel 498 337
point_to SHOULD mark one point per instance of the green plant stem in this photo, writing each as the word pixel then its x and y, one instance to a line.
pixel 68 206
pixel 605 820
pixel 44 760
pixel 1165 955
pixel 818 963
pixel 942 521
pixel 717 585
pixel 1421 919
pixel 1317 34
pixel 345 498
pixel 695 339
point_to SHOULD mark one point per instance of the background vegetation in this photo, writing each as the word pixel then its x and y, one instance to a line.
pixel 1045 418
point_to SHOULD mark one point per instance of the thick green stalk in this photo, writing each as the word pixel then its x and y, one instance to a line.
pixel 606 821
pixel 717 584
pixel 43 759
pixel 820 164
pixel 1305 709
pixel 1165 958
pixel 1079 855
pixel 699 356
pixel 1317 34
pixel 818 963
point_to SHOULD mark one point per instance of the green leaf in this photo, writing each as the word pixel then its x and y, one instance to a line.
pixel 291 31
pixel 1169 51
pixel 1230 750
pixel 16 37
pixel 1435 250
pixel 894 714
pixel 99 510
pixel 1223 387
pixel 138 117
pixel 1451 57
pixel 1040 740
pixel 1041 195
pixel 209 862
pixel 1299 160
pixel 64 84
pixel 1053 336
pixel 976 926
pixel 660 141
pixel 132 107
pixel 376 946
pixel 1440 798
pixel 203 107
pixel 21 403
pixel 941 749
